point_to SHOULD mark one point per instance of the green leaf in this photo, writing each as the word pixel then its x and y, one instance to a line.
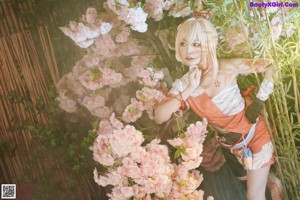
pixel 96 73
pixel 178 153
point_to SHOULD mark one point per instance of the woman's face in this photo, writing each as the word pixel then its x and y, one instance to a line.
pixel 190 52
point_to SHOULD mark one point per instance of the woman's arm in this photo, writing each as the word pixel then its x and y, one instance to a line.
pixel 164 111
pixel 167 107
pixel 245 66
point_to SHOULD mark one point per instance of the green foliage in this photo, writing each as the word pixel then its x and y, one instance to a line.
pixel 58 145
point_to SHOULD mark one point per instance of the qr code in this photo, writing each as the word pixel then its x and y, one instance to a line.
pixel 8 191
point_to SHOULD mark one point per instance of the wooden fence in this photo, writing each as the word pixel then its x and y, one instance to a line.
pixel 27 67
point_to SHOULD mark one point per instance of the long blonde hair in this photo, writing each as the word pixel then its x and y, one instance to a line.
pixel 203 31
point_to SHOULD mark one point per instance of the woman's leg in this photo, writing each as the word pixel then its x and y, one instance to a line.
pixel 256 183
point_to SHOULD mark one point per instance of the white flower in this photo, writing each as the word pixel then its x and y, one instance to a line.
pixel 86 43
pixel 105 28
pixel 123 2
pixel 141 27
pixel 136 15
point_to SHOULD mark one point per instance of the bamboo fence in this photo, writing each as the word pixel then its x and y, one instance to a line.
pixel 27 67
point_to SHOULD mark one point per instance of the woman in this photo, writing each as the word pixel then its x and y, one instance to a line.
pixel 210 90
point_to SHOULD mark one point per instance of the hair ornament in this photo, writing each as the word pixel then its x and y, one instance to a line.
pixel 202 14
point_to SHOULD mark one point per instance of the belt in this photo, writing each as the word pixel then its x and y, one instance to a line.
pixel 243 143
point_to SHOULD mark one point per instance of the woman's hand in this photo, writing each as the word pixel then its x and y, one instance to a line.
pixel 194 78
pixel 271 73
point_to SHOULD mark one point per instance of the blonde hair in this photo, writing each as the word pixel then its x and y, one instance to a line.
pixel 203 31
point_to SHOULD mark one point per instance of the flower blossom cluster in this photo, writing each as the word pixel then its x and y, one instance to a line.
pixel 134 16
pixel 134 170
pixel 95 76
pixel 237 35
pixel 181 9
pixel 278 28
pixel 123 35
pixel 145 172
pixel 98 77
pixel 147 97
pixel 155 8
pixel 114 141
pixel 66 103
pixel 89 85
pixel 84 35
pixel 150 77
pixel 189 146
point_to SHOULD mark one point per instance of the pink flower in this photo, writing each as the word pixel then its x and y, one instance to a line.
pixel 105 127
pixel 115 123
pixel 155 148
pixel 144 73
pixel 66 103
pixel 102 150
pixel 102 112
pixel 155 9
pixel 192 164
pixel 141 61
pixel 150 77
pixel 126 141
pixel 112 178
pixel 90 16
pixel 104 158
pixel 97 78
pixel 91 61
pixel 133 111
pixel 120 193
pixel 105 46
pixel 84 35
pixel 180 10
pixel 127 191
pixel 92 102
pixel 123 36
pixel 191 153
pixel 197 129
pixel 129 48
pixel 175 142
pixel 168 4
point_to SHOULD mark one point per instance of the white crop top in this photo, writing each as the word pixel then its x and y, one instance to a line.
pixel 229 101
